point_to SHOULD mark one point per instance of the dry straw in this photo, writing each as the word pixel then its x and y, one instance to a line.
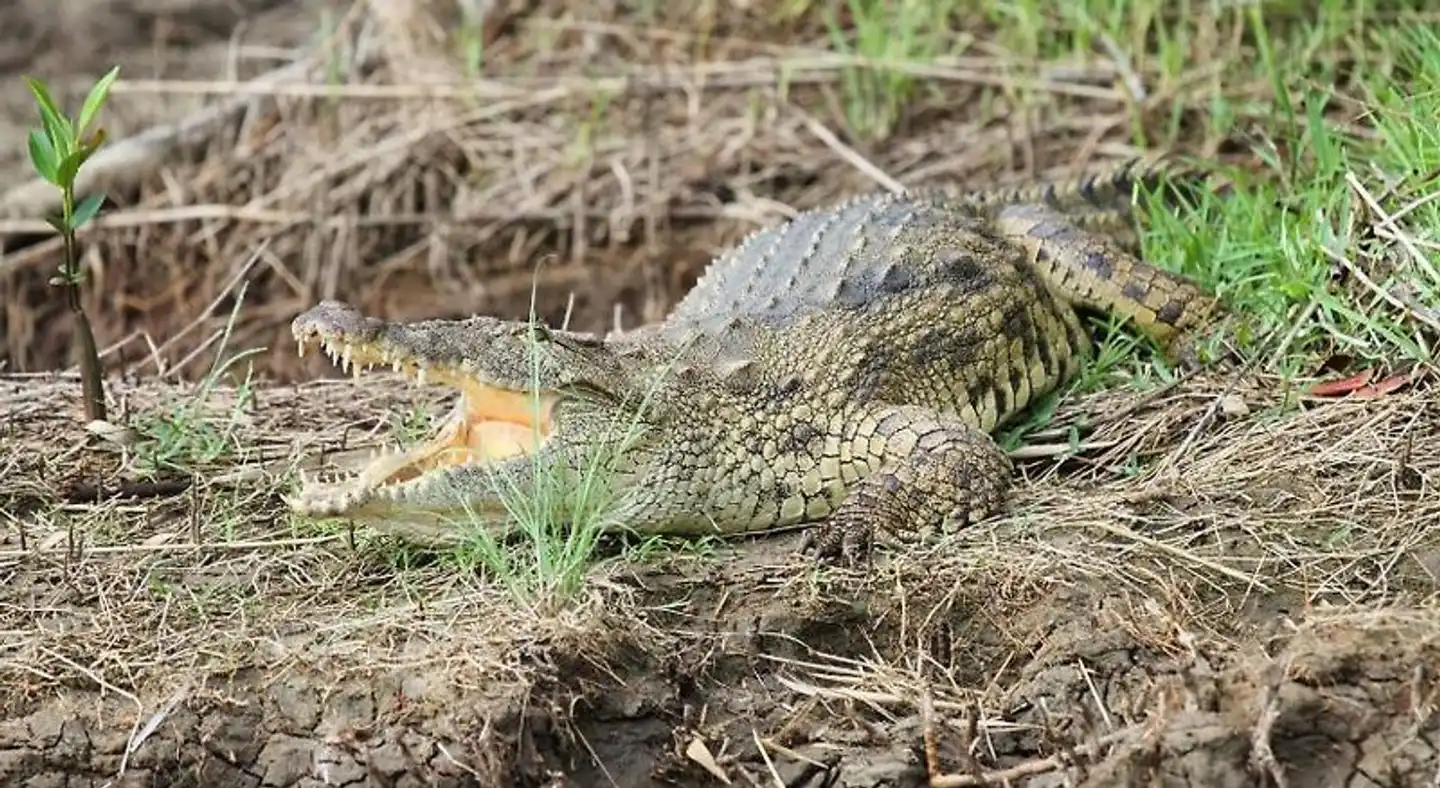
pixel 1262 522
pixel 362 171
pixel 621 155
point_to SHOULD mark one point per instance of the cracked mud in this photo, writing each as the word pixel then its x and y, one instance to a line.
pixel 1268 622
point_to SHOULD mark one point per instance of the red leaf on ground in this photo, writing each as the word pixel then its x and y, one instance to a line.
pixel 1387 386
pixel 1335 388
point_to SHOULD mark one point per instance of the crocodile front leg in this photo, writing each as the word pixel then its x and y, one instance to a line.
pixel 928 469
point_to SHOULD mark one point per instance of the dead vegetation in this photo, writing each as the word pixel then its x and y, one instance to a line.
pixel 1228 586
pixel 1264 593
pixel 618 151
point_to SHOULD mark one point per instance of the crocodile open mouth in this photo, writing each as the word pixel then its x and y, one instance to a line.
pixel 489 423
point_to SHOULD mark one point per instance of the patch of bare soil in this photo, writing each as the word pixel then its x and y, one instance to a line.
pixel 1256 609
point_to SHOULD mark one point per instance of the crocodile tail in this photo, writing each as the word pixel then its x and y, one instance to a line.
pixel 1109 191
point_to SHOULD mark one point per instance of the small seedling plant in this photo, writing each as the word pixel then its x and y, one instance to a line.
pixel 57 151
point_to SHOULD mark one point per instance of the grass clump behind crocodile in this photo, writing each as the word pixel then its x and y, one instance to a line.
pixel 846 368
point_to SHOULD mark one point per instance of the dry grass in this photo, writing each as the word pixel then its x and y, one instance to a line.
pixel 1208 522
pixel 595 141
pixel 1331 500
pixel 1240 528
pixel 1254 569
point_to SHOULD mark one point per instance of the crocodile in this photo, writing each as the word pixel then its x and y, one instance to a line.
pixel 844 370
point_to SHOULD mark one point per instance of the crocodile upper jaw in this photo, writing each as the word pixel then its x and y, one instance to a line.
pixel 488 427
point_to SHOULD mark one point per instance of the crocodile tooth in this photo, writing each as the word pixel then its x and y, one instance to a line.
pixel 300 348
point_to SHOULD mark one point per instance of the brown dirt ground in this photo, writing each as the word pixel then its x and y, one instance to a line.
pixel 1256 605
pixel 1259 605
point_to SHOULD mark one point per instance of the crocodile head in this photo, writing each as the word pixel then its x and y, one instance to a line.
pixel 527 393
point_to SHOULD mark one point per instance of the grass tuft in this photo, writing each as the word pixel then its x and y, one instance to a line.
pixel 185 436
pixel 558 514
pixel 885 34
pixel 1320 253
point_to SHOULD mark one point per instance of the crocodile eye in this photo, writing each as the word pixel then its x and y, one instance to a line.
pixel 541 334
pixel 577 341
pixel 589 392
pixel 567 339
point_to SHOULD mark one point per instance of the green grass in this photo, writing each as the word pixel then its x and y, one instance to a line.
pixel 1301 260
pixel 885 31
pixel 557 514
pixel 1272 251
pixel 186 436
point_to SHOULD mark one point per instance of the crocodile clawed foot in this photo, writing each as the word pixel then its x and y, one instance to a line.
pixel 840 542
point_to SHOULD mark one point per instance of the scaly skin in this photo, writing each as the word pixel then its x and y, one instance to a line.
pixel 845 368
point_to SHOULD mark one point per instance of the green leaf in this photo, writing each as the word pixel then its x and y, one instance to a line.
pixel 42 155
pixel 87 209
pixel 58 222
pixel 57 127
pixel 42 95
pixel 96 99
pixel 70 167
pixel 59 141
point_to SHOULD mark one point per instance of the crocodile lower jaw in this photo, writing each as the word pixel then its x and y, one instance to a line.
pixel 488 426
